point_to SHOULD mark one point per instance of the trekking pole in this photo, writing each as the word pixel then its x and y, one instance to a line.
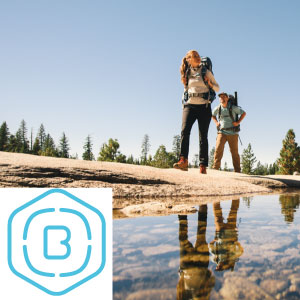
pixel 236 117
pixel 240 140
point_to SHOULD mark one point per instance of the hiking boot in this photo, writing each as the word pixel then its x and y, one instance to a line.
pixel 182 164
pixel 202 169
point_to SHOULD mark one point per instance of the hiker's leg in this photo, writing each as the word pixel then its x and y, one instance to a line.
pixel 219 222
pixel 188 119
pixel 220 144
pixel 185 247
pixel 233 141
pixel 202 223
pixel 204 118
pixel 232 216
pixel 201 245
pixel 183 227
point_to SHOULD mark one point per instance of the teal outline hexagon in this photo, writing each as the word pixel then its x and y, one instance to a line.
pixel 82 281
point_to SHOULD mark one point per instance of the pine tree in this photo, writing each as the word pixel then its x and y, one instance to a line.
pixel 31 141
pixel 248 160
pixel 130 159
pixel 177 146
pixel 64 147
pixel 12 144
pixel 289 160
pixel 18 142
pixel 49 147
pixel 289 205
pixel 247 201
pixel 88 152
pixel 21 137
pixel 145 149
pixel 211 157
pixel 121 158
pixel 273 169
pixel 41 135
pixel 4 137
pixel 110 152
pixel 260 169
pixel 162 158
pixel 36 146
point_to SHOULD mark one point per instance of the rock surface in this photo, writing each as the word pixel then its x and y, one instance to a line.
pixel 136 185
pixel 241 288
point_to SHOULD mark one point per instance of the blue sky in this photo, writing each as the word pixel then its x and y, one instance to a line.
pixel 111 68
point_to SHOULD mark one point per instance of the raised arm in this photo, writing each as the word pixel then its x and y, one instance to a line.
pixel 209 77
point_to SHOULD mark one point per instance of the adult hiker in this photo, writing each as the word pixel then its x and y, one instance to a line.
pixel 198 83
pixel 228 129
pixel 196 281
pixel 225 249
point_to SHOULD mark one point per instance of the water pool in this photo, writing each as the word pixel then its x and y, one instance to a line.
pixel 244 248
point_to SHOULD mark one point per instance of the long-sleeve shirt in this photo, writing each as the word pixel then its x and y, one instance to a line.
pixel 197 85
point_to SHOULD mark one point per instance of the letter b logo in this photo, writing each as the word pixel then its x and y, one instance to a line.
pixel 56 242
pixel 64 242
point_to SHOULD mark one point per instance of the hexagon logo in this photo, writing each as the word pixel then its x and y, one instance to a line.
pixel 56 242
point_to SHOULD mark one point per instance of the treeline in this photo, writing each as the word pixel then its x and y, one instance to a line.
pixel 43 144
pixel 162 158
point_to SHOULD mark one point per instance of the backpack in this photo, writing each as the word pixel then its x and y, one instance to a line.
pixel 206 65
pixel 233 100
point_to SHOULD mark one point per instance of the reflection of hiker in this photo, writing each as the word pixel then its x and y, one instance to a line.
pixel 196 281
pixel 225 248
pixel 197 107
pixel 227 131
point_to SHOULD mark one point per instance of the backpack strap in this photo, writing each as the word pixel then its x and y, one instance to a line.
pixel 236 128
pixel 231 114
pixel 219 112
pixel 203 73
pixel 211 92
pixel 187 74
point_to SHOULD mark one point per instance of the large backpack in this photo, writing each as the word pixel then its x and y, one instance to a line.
pixel 206 65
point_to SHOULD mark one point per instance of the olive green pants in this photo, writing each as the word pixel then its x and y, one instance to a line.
pixel 233 145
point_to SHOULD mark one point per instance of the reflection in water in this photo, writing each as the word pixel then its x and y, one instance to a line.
pixel 247 201
pixel 195 280
pixel 289 204
pixel 225 248
pixel 147 256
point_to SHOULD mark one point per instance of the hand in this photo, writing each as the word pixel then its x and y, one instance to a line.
pixel 217 124
pixel 208 81
pixel 235 124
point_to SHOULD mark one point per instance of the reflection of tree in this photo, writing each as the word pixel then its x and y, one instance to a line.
pixel 289 204
pixel 225 248
pixel 247 201
pixel 196 281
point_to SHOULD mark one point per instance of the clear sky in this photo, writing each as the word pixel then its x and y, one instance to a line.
pixel 111 68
